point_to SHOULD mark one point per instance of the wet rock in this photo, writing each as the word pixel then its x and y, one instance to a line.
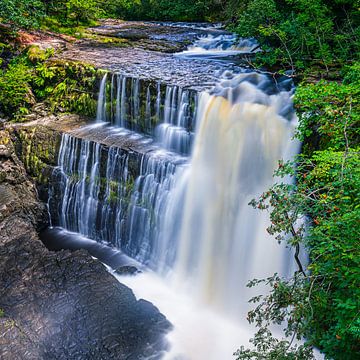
pixel 149 52
pixel 149 36
pixel 18 199
pixel 132 35
pixel 127 270
pixel 67 306
pixel 4 151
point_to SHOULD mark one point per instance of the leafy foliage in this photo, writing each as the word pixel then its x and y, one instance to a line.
pixel 15 91
pixel 181 10
pixel 31 13
pixel 321 212
pixel 301 31
pixel 275 308
pixel 330 112
pixel 31 77
pixel 20 13
pixel 82 10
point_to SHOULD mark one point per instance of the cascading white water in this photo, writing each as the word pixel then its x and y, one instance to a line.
pixel 101 107
pixel 173 132
pixel 187 220
pixel 219 46
pixel 92 192
pixel 164 111
pixel 148 203
pixel 221 239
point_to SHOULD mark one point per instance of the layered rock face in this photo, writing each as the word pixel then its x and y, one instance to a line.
pixel 20 211
pixel 61 305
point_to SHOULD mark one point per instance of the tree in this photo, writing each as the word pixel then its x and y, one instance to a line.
pixel 82 11
pixel 21 13
pixel 297 32
pixel 321 212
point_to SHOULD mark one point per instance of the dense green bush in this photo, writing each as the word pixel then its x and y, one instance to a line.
pixel 16 95
pixel 31 13
pixel 300 31
pixel 321 211
pixel 30 78
pixel 21 13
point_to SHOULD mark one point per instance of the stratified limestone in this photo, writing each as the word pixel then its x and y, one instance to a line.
pixel 19 208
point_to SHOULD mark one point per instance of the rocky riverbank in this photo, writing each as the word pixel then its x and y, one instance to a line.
pixel 61 305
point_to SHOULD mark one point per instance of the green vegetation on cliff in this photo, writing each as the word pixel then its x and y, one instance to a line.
pixel 320 212
pixel 31 77
pixel 302 33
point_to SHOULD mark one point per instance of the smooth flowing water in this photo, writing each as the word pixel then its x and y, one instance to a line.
pixel 166 112
pixel 181 208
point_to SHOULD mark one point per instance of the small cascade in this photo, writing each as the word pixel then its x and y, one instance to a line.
pixel 101 107
pixel 92 189
pixel 101 196
pixel 147 207
pixel 212 46
pixel 173 132
pixel 166 112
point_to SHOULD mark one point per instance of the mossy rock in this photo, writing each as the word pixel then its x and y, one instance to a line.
pixel 38 148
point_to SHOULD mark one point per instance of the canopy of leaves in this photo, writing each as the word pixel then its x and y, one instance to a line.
pixel 300 31
pixel 29 13
pixel 181 10
pixel 25 14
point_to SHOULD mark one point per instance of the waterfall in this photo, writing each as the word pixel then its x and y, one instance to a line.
pixel 165 112
pixel 173 133
pixel 101 107
pixel 221 239
pixel 92 192
pixel 185 214
pixel 243 127
pixel 222 45
pixel 147 204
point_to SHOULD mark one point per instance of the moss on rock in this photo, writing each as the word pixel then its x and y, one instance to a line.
pixel 37 147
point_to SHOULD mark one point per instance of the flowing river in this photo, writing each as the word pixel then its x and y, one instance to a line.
pixel 176 202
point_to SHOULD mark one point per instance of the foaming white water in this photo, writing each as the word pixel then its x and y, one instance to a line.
pixel 101 107
pixel 219 46
pixel 221 241
pixel 199 333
